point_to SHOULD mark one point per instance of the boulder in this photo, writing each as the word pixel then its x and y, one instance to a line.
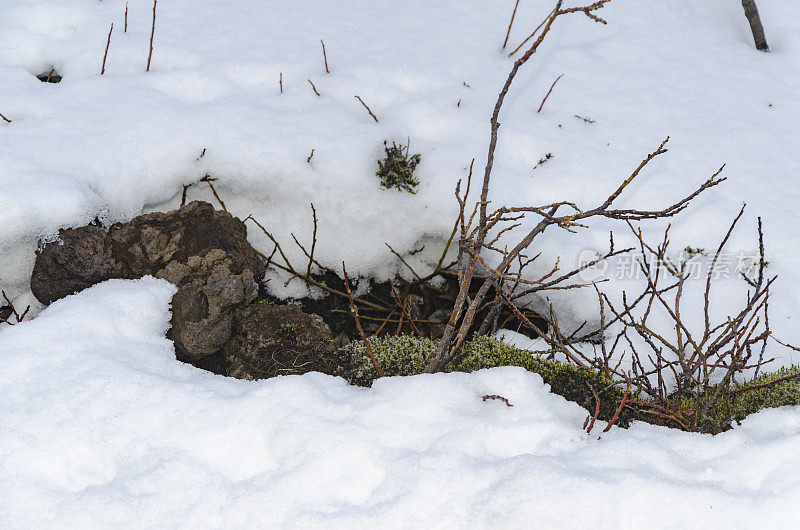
pixel 270 340
pixel 203 251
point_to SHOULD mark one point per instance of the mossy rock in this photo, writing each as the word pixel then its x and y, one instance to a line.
pixel 408 355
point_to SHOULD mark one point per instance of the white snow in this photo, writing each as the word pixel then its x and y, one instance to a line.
pixel 113 145
pixel 99 425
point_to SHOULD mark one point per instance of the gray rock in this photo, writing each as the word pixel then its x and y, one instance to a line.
pixel 203 251
pixel 81 257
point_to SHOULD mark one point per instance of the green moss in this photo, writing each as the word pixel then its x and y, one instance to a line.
pixel 751 397
pixel 397 169
pixel 401 355
pixel 408 355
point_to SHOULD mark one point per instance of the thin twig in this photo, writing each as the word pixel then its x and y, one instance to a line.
pixel 309 280
pixel 312 86
pixel 125 29
pixel 419 279
pixel 313 237
pixel 152 33
pixel 105 55
pixel 534 31
pixel 403 309
pixel 310 156
pixel 368 109
pixel 596 407
pixel 4 118
pixel 508 32
pixel 10 305
pixel 548 93
pixel 280 82
pixel 619 409
pixel 325 56
pixel 208 179
pixel 354 310
pixel 766 385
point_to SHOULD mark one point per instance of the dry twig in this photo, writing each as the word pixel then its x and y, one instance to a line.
pixel 548 93
pixel 324 56
pixel 9 310
pixel 105 55
pixel 152 33
pixel 511 22
pixel 368 109
pixel 354 310
pixel 208 179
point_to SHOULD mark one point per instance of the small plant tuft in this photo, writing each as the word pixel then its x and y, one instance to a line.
pixel 397 169
pixel 694 252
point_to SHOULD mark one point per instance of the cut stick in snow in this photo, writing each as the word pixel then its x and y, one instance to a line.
pixel 751 12
pixel 513 14
pixel 310 156
pixel 312 86
pixel 5 119
pixel 325 56
pixel 125 29
pixel 105 55
pixel 548 93
pixel 354 310
pixel 314 236
pixel 152 33
pixel 280 82
pixel 368 110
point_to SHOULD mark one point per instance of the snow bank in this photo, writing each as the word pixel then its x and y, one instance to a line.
pixel 113 145
pixel 100 426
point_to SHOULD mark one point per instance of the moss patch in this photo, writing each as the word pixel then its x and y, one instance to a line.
pixel 408 355
pixel 752 396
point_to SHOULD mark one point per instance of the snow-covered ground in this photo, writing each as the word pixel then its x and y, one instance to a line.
pixel 100 425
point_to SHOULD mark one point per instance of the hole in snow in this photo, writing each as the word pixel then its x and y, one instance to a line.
pixel 50 75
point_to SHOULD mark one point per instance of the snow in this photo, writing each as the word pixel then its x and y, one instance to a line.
pixel 111 146
pixel 102 427
pixel 99 424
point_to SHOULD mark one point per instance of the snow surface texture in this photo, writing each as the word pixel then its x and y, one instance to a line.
pixel 100 427
pixel 112 146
